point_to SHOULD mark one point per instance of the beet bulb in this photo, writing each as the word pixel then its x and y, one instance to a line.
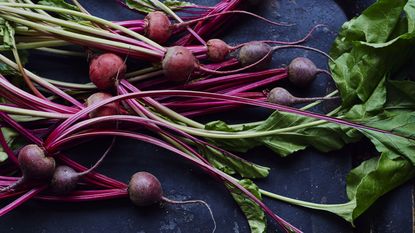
pixel 281 96
pixel 105 69
pixel 145 189
pixel 218 50
pixel 302 71
pixel 157 27
pixel 64 180
pixel 178 64
pixel 106 110
pixel 34 165
pixel 253 52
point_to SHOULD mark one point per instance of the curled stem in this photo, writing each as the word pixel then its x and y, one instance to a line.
pixel 167 200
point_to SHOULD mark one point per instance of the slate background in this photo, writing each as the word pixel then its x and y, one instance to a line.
pixel 307 175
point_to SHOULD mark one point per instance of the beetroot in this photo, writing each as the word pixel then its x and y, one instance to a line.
pixel 64 180
pixel 145 189
pixel 34 165
pixel 106 110
pixel 281 96
pixel 157 27
pixel 302 71
pixel 253 52
pixel 178 64
pixel 105 69
pixel 217 50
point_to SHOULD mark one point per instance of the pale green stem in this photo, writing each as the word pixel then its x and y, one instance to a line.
pixel 81 8
pixel 167 10
pixel 88 86
pixel 229 135
pixel 142 71
pixel 40 11
pixel 177 145
pixel 146 76
pixel 342 209
pixel 34 45
pixel 34 113
pixel 92 19
pixel 22 118
pixel 311 105
pixel 306 204
pixel 62 52
pixel 68 24
pixel 319 101
pixel 86 38
pixel 242 135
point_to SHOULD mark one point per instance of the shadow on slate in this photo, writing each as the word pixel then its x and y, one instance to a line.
pixel 307 175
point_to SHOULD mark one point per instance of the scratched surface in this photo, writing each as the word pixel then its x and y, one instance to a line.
pixel 307 175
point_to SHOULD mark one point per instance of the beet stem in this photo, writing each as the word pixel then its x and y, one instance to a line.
pixel 303 47
pixel 266 56
pixel 258 84
pixel 305 38
pixel 21 200
pixel 34 100
pixel 187 23
pixel 15 125
pixel 234 99
pixel 107 151
pixel 206 167
pixel 202 68
pixel 312 99
pixel 34 139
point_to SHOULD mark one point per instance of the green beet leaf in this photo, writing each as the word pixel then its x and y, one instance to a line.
pixel 255 215
pixel 374 178
pixel 323 136
pixel 364 51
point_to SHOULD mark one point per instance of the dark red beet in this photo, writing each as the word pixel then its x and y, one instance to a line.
pixel 178 64
pixel 217 50
pixel 106 110
pixel 254 52
pixel 145 189
pixel 157 27
pixel 281 96
pixel 105 69
pixel 34 164
pixel 302 71
pixel 64 180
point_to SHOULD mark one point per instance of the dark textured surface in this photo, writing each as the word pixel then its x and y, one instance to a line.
pixel 307 175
